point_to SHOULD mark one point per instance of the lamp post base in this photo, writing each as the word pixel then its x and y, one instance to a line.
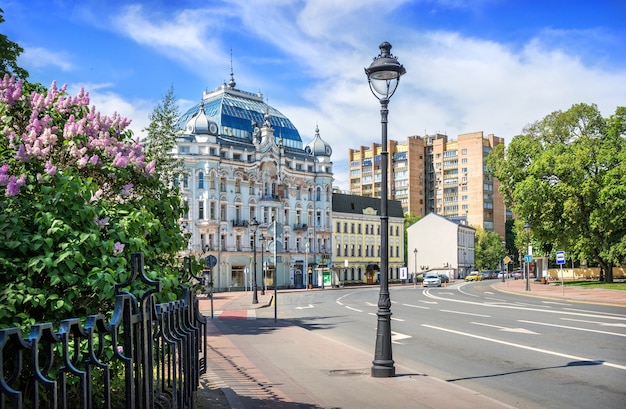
pixel 383 370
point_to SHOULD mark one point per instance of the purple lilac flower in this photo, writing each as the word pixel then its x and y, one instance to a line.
pixel 127 190
pixel 118 248
pixel 50 169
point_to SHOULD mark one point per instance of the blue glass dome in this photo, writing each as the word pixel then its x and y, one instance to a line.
pixel 234 111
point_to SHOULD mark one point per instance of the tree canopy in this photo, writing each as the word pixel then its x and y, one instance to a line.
pixel 78 196
pixel 488 249
pixel 566 177
pixel 9 51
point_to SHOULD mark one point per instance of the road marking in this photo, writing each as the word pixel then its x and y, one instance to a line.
pixel 508 329
pixel 573 328
pixel 397 319
pixel 428 302
pixel 371 304
pixel 556 302
pixel 353 309
pixel 416 306
pixel 303 308
pixel 466 313
pixel 396 336
pixel 512 344
pixel 604 324
pixel 605 315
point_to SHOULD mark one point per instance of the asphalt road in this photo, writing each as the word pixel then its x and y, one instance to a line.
pixel 526 352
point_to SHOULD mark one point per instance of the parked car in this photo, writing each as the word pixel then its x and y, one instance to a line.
pixel 494 274
pixel 517 274
pixel 485 275
pixel 474 276
pixel 444 278
pixel 432 280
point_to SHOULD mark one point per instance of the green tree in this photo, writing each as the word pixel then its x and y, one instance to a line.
pixel 161 137
pixel 78 197
pixel 566 176
pixel 409 220
pixel 488 249
pixel 9 51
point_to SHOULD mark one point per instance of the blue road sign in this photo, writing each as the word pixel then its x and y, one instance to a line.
pixel 528 258
pixel 560 257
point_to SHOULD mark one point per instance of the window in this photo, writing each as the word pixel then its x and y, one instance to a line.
pixel 211 181
pixel 201 210
pixel 237 186
pixel 223 212
pixel 338 229
pixel 222 184
pixel 200 180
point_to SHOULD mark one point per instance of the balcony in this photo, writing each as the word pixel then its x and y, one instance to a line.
pixel 300 227
pixel 240 223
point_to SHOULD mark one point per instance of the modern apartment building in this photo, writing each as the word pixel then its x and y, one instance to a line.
pixel 435 174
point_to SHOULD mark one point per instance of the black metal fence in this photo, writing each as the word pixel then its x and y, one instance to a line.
pixel 147 356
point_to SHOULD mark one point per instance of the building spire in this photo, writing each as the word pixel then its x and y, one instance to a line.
pixel 231 83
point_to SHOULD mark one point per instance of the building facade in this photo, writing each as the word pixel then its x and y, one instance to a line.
pixel 433 174
pixel 438 244
pixel 356 227
pixel 244 161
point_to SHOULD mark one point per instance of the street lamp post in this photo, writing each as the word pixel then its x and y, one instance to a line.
pixel 415 268
pixel 262 238
pixel 383 77
pixel 502 261
pixel 254 226
pixel 527 231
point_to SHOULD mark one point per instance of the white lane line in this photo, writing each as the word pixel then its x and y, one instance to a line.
pixel 397 319
pixel 603 324
pixel 556 302
pixel 416 306
pixel 466 313
pixel 573 328
pixel 507 329
pixel 353 309
pixel 428 302
pixel 540 350
pixel 605 315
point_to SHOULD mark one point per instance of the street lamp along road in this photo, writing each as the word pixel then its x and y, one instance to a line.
pixel 383 77
pixel 526 262
pixel 254 226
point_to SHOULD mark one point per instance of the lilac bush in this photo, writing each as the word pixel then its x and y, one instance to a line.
pixel 78 195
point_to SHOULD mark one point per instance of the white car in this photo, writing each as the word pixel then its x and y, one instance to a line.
pixel 432 280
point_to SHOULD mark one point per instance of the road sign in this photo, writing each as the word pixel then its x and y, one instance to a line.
pixel 528 258
pixel 560 257
pixel 211 260
pixel 507 259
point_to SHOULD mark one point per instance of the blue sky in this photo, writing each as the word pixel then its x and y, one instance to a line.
pixel 483 65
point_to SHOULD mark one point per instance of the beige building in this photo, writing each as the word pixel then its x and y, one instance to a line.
pixel 356 235
pixel 434 174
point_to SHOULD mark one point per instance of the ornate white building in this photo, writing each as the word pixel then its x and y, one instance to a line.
pixel 244 160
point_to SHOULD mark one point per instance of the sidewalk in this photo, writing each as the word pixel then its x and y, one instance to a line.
pixel 257 363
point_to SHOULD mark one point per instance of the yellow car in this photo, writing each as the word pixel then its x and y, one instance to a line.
pixel 474 276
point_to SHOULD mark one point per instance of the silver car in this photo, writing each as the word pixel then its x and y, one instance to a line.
pixel 432 280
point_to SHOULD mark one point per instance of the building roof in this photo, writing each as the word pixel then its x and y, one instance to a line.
pixel 235 112
pixel 343 203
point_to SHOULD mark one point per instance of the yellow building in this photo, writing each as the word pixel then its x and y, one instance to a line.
pixel 433 174
pixel 356 235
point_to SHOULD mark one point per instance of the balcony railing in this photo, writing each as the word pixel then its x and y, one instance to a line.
pixel 300 227
pixel 240 223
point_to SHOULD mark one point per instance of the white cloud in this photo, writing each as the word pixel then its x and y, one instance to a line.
pixel 40 57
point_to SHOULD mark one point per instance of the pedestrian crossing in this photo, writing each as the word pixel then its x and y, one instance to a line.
pixel 232 314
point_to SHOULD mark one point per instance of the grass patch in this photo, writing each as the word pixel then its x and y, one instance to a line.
pixel 596 284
